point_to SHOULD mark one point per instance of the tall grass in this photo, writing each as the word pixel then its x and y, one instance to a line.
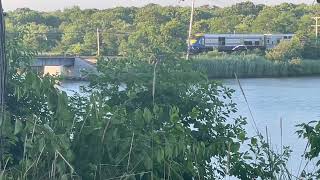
pixel 224 66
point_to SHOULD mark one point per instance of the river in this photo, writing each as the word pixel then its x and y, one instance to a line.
pixel 294 100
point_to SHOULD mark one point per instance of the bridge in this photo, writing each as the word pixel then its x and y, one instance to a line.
pixel 68 67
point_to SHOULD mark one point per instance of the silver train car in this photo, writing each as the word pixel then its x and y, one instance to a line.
pixel 235 42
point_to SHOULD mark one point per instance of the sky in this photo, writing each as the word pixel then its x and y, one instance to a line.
pixel 50 5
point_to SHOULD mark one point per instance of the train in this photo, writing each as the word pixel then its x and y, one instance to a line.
pixel 235 42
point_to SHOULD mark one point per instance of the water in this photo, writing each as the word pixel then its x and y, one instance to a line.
pixel 294 100
pixel 71 87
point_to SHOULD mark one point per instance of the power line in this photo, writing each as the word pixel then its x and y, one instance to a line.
pixel 72 32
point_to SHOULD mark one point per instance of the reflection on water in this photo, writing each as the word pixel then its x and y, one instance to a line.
pixel 71 87
pixel 294 100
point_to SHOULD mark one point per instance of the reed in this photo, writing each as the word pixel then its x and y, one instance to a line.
pixel 254 66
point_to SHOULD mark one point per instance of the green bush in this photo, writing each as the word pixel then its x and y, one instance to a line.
pixel 255 66
pixel 285 50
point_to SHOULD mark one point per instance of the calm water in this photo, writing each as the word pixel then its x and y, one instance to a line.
pixel 72 87
pixel 294 100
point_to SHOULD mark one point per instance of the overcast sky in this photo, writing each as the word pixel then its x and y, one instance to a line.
pixel 49 5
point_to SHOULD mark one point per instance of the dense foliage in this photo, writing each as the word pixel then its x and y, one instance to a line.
pixel 254 66
pixel 286 50
pixel 154 30
pixel 136 121
pixel 153 119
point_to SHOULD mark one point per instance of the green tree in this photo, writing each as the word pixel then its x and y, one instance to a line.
pixel 265 23
pixel 162 120
pixel 25 16
pixel 310 132
pixel 37 37
pixel 32 133
pixel 136 120
pixel 225 24
pixel 285 50
pixel 147 44
pixel 72 36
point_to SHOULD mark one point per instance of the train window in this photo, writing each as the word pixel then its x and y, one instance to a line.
pixel 285 37
pixel 222 41
pixel 268 41
pixel 278 41
pixel 248 43
pixel 257 43
pixel 202 41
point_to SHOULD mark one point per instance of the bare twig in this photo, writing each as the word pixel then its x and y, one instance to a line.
pixel 153 102
pixel 130 152
pixel 65 161
pixel 246 100
pixel 229 158
pixel 4 168
pixel 34 163
pixel 281 136
pixel 53 166
pixel 105 130
pixel 34 128
pixel 154 81
pixel 302 157
pixel 128 175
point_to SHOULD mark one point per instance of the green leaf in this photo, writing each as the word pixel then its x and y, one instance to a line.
pixel 48 128
pixel 41 144
pixel 174 114
pixel 195 113
pixel 18 127
pixel 254 141
pixel 235 147
pixel 147 115
pixel 65 177
pixel 242 136
pixel 148 163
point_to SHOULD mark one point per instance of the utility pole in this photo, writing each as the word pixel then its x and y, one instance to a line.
pixel 98 42
pixel 190 29
pixel 3 63
pixel 317 25
pixel 3 79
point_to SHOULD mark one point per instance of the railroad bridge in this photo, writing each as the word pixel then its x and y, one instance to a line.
pixel 68 67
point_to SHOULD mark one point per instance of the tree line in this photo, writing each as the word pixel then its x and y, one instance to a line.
pixel 151 30
pixel 136 119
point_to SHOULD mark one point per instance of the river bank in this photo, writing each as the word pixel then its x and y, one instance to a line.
pixel 254 66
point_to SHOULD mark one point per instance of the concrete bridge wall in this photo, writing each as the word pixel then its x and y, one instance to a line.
pixel 69 67
pixel 54 61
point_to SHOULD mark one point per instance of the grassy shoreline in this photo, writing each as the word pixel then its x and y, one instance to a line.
pixel 254 66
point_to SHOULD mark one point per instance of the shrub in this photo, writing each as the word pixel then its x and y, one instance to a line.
pixel 285 51
pixel 255 66
pixel 214 53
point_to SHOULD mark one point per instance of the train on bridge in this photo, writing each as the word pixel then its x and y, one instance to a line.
pixel 235 42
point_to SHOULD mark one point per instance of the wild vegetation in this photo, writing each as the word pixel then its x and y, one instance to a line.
pixel 154 30
pixel 254 66
pixel 136 121
pixel 147 116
